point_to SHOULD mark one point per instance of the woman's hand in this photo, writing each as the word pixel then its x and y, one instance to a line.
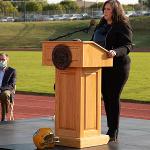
pixel 111 54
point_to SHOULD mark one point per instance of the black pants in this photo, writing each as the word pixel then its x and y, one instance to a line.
pixel 113 81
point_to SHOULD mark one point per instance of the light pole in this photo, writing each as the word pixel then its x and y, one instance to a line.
pixel 84 6
pixel 24 11
pixel 97 4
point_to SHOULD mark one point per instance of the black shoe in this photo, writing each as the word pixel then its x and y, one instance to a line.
pixel 3 120
pixel 113 135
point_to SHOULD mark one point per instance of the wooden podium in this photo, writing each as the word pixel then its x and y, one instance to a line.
pixel 78 92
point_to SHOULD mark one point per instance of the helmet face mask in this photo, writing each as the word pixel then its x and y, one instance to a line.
pixel 44 138
pixel 49 138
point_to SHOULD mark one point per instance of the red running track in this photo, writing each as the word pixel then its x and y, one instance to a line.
pixel 34 106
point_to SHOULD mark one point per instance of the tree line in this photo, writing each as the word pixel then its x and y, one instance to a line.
pixel 11 6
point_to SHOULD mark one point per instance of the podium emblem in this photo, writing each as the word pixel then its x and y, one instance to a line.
pixel 61 56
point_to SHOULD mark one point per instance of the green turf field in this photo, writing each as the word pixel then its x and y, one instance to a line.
pixel 138 85
pixel 33 77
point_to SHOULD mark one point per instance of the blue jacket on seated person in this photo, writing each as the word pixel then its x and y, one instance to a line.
pixel 7 85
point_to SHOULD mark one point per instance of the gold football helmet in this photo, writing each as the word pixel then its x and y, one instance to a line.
pixel 44 138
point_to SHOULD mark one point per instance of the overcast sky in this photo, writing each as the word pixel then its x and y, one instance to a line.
pixel 122 1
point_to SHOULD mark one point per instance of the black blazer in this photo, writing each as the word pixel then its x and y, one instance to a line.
pixel 119 38
pixel 9 79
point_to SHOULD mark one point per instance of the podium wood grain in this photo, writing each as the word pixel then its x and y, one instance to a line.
pixel 78 96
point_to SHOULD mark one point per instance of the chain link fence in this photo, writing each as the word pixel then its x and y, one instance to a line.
pixel 53 15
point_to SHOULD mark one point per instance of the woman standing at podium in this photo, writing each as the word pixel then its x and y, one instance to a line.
pixel 115 34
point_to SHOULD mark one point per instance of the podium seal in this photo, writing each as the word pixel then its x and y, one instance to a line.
pixel 61 56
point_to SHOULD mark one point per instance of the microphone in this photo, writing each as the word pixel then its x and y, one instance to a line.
pixel 92 23
pixel 87 29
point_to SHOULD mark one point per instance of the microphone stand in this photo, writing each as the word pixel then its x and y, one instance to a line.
pixel 68 34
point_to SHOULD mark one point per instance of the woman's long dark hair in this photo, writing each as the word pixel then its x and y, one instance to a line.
pixel 118 14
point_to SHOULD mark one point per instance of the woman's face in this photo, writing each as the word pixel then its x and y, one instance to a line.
pixel 108 13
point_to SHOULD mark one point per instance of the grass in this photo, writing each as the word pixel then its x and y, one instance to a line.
pixel 33 77
pixel 141 39
pixel 30 34
pixel 141 29
pixel 138 85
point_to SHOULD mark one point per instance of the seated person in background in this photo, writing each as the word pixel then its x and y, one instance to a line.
pixel 7 85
